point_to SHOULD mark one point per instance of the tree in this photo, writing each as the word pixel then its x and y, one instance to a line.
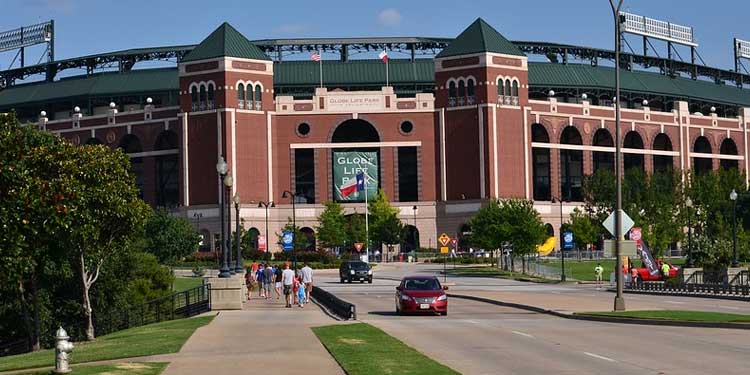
pixel 169 238
pixel 105 212
pixel 382 214
pixel 333 225
pixel 585 232
pixel 355 231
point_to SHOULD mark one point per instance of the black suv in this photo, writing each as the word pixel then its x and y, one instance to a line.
pixel 355 270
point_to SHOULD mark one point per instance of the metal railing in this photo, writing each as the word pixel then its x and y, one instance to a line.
pixel 659 287
pixel 14 347
pixel 742 278
pixel 177 305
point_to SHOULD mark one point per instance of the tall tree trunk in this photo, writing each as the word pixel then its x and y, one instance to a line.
pixel 87 303
pixel 25 312
pixel 37 323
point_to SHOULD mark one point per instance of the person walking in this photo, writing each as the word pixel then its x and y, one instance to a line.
pixel 259 280
pixel 268 276
pixel 307 279
pixel 278 273
pixel 598 271
pixel 665 269
pixel 301 295
pixel 633 276
pixel 287 279
pixel 249 282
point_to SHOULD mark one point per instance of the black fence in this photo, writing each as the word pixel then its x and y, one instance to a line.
pixel 692 289
pixel 14 347
pixel 333 304
pixel 177 305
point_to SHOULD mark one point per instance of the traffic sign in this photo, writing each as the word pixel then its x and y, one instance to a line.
pixel 625 224
pixel 287 240
pixel 444 250
pixel 358 246
pixel 200 240
pixel 262 243
pixel 454 242
pixel 444 239
pixel 568 240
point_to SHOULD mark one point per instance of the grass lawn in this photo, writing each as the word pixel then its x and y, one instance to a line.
pixel 490 271
pixel 362 349
pixel 158 338
pixel 584 269
pixel 694 316
pixel 154 368
pixel 184 283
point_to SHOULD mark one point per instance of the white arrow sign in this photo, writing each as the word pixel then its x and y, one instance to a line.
pixel 625 224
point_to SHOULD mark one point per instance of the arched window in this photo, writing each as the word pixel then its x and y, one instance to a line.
pixel 258 97
pixel 603 159
pixel 470 91
pixel 167 171
pixel 241 96
pixel 194 98
pixel 500 87
pixel 662 162
pixel 728 147
pixel 514 92
pixel 202 98
pixel 702 165
pixel 452 89
pixel 633 140
pixel 540 164
pixel 571 166
pixel 210 102
pixel 508 90
pixel 461 92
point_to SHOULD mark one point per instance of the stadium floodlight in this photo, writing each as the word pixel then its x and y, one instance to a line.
pixel 649 27
pixel 742 48
pixel 26 36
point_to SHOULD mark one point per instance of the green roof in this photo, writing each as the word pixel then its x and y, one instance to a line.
pixel 480 37
pixel 355 73
pixel 225 41
pixel 104 84
pixel 584 76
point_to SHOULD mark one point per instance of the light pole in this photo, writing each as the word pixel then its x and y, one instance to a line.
pixel 221 169
pixel 266 205
pixel 416 233
pixel 733 198
pixel 689 260
pixel 197 216
pixel 228 182
pixel 619 300
pixel 289 194
pixel 562 241
pixel 238 267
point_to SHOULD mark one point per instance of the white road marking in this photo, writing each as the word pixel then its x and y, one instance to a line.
pixel 523 334
pixel 729 307
pixel 472 321
pixel 599 356
pixel 675 302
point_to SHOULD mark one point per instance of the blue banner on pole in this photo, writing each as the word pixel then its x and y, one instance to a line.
pixel 287 240
pixel 568 240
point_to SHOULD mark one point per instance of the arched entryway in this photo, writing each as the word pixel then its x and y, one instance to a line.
pixel 347 162
pixel 464 232
pixel 728 147
pixel 662 162
pixel 540 163
pixel 309 236
pixel 571 166
pixel 604 160
pixel 205 241
pixel 250 238
pixel 630 160
pixel 702 165
pixel 130 144
pixel 410 238
pixel 167 171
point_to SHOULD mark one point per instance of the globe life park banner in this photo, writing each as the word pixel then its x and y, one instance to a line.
pixel 346 165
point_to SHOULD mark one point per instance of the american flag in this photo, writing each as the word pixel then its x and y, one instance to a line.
pixel 315 56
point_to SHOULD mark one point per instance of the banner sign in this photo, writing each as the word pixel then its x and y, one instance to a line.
pixel 346 165
pixel 643 252
pixel 262 243
pixel 568 240
pixel 287 240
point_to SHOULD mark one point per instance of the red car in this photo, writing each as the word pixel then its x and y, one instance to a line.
pixel 421 294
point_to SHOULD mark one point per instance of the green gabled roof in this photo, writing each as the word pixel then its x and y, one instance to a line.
pixel 480 37
pixel 225 41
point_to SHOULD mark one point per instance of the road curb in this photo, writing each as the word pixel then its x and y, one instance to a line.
pixel 677 294
pixel 606 319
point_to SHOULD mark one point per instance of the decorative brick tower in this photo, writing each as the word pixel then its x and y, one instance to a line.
pixel 482 87
pixel 226 92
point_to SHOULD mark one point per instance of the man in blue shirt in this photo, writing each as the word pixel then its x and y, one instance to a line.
pixel 259 278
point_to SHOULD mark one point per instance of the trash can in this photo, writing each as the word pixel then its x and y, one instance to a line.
pixel 401 257
pixel 410 259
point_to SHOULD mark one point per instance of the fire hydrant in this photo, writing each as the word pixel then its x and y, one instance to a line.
pixel 62 348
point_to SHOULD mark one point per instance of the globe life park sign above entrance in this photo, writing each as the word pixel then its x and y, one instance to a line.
pixel 339 101
pixel 355 103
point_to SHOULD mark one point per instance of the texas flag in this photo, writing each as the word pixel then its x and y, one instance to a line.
pixel 383 56
pixel 356 184
pixel 360 181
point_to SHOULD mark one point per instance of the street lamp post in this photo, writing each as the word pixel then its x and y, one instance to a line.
pixel 416 233
pixel 238 267
pixel 197 216
pixel 293 196
pixel 562 241
pixel 619 304
pixel 266 205
pixel 228 182
pixel 689 260
pixel 733 198
pixel 221 169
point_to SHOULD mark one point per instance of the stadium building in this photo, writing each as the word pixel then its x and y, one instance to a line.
pixel 460 121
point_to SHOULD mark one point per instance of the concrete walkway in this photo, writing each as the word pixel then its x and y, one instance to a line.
pixel 263 337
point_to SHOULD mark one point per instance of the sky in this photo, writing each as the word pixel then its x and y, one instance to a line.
pixel 96 26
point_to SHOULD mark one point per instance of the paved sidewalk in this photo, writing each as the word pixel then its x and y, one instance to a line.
pixel 263 337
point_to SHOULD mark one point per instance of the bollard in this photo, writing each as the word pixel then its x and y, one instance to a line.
pixel 62 348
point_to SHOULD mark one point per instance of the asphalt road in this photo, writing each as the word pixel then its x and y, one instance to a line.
pixel 480 338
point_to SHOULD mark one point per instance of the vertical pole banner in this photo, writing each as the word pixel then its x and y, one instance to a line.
pixel 346 165
pixel 643 251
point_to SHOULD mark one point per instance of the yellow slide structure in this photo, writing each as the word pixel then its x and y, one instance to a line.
pixel 547 247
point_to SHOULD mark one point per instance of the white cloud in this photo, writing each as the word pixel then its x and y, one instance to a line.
pixel 290 28
pixel 389 17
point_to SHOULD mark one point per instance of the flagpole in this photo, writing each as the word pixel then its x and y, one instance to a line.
pixel 386 71
pixel 367 220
